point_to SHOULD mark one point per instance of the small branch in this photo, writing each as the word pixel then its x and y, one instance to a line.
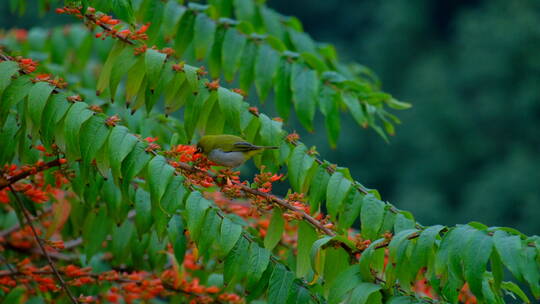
pixel 92 18
pixel 15 178
pixel 41 246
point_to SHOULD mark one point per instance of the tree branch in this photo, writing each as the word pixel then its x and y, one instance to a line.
pixel 41 246
pixel 15 178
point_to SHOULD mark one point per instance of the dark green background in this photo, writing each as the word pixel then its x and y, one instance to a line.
pixel 469 149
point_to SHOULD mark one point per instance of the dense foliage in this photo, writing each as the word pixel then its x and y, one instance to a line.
pixel 470 68
pixel 100 172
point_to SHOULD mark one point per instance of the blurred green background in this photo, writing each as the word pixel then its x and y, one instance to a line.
pixel 469 149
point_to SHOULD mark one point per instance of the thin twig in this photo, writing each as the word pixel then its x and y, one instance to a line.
pixel 15 178
pixel 41 246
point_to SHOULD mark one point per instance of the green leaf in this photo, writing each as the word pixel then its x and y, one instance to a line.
pixel 159 176
pixel 203 35
pixel 299 164
pixel 37 99
pixel 275 229
pixel 301 41
pixel 305 88
pixel 14 296
pixel 230 104
pixel 176 92
pixel 266 66
pixel 78 113
pixel 8 133
pixel 371 261
pixel 366 293
pixel 173 198
pixel 314 62
pixel 257 263
pixel 184 34
pixel 272 21
pixel 281 282
pixel 350 210
pixel 229 234
pixel 13 94
pixel 509 249
pixel 317 255
pixel 475 261
pixel 121 143
pixel 177 237
pixel 398 105
pixel 105 75
pixel 7 70
pixel 336 261
pixel 344 283
pixel 306 237
pixel 329 105
pixel 135 78
pixel 55 109
pixel 403 222
pixel 211 228
pixel 196 208
pixel 123 9
pixel 192 112
pixel 235 267
pixel 398 245
pixel 133 164
pixel 94 133
pixel 95 230
pixel 497 270
pixel 154 62
pixel 247 66
pixel 232 49
pixel 282 89
pixel 214 60
pixel 126 60
pixel 371 217
pixel 424 247
pixel 354 106
pixel 400 300
pixel 514 288
pixel 317 189
pixel 338 188
pixel 531 269
pixel 143 212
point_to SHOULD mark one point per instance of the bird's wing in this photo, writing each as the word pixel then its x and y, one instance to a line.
pixel 244 146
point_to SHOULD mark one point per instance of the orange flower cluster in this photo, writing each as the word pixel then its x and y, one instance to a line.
pixel 57 82
pixel 466 296
pixel 104 21
pixel 264 180
pixel 185 153
pixel 20 34
pixel 293 137
pixel 213 85
pixel 27 65
pixel 74 11
pixel 296 200
pixel 22 238
pixel 33 192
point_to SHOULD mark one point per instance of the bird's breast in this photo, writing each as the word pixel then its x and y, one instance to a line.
pixel 228 159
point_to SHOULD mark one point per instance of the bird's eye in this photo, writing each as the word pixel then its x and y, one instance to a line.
pixel 199 150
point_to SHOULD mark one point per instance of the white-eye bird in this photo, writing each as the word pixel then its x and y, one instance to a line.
pixel 228 150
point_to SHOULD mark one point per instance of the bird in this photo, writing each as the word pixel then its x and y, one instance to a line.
pixel 228 150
